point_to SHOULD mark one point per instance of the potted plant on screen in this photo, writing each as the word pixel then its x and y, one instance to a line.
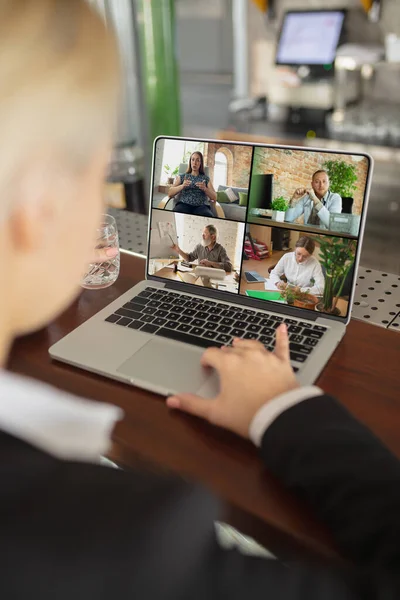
pixel 337 258
pixel 342 180
pixel 295 297
pixel 279 207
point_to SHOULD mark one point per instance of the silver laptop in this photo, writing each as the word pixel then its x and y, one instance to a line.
pixel 202 239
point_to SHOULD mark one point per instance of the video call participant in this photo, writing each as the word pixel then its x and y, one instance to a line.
pixel 316 203
pixel 195 189
pixel 301 269
pixel 209 253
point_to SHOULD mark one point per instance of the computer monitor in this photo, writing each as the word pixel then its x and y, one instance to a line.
pixel 309 37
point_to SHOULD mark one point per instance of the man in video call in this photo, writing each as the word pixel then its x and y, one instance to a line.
pixel 209 253
pixel 316 203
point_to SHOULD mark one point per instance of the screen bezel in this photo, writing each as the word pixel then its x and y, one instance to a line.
pixel 315 11
pixel 240 299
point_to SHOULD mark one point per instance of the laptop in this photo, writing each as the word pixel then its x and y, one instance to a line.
pixel 154 335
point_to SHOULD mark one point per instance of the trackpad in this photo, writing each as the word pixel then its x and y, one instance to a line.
pixel 169 368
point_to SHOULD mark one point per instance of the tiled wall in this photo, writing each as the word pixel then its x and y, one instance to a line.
pixel 293 169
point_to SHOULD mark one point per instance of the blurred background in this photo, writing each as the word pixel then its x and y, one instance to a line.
pixel 319 73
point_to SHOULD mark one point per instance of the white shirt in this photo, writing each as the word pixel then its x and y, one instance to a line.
pixel 330 203
pixel 72 428
pixel 300 274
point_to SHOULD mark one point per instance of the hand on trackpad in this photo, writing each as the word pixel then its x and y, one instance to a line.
pixel 170 369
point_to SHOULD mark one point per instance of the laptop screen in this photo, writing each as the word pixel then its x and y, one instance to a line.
pixel 272 223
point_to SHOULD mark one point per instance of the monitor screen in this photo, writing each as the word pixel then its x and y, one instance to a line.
pixel 301 251
pixel 309 37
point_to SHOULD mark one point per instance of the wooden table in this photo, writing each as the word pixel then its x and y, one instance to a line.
pixel 363 373
pixel 191 277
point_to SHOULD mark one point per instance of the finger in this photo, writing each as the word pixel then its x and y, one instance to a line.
pixel 244 346
pixel 282 343
pixel 104 254
pixel 189 403
pixel 213 357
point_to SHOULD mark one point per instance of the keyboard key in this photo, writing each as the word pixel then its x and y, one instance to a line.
pixel 298 348
pixel 294 329
pixel 209 326
pixel 159 321
pixel 174 316
pixel 228 313
pixel 136 325
pixel 140 299
pixel 298 357
pixel 185 319
pixel 240 324
pixel 298 339
pixel 198 322
pixel 202 315
pixel 236 332
pixel 147 318
pixel 276 318
pixel 225 339
pixel 184 327
pixel 146 293
pixel 291 322
pixel 268 331
pixel 214 318
pixel 253 319
pixel 124 321
pixel 154 303
pixel 148 311
pixel 312 333
pixel 223 329
pixel 266 322
pixel 165 306
pixel 250 336
pixel 210 335
pixel 254 328
pixel 112 318
pixel 214 310
pixel 190 312
pixel 187 338
pixel 310 342
pixel 191 304
pixel 171 324
pixel 149 328
pixel 123 312
pixel 197 331
pixel 319 328
pixel 161 313
pixel 227 321
pixel 132 306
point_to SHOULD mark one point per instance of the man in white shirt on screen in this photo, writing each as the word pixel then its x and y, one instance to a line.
pixel 316 204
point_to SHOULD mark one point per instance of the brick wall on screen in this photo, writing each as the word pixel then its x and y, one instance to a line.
pixel 238 160
pixel 293 169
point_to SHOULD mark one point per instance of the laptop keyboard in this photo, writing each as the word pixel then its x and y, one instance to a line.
pixel 206 323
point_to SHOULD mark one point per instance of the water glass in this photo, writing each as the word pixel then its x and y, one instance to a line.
pixel 103 271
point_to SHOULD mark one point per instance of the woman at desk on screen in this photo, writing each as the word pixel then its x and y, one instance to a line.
pixel 300 269
pixel 196 192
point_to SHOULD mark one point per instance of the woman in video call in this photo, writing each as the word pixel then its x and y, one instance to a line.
pixel 195 189
pixel 300 268
pixel 315 203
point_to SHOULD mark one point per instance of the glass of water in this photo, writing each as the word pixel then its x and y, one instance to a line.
pixel 104 269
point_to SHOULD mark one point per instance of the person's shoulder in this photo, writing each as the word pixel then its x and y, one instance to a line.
pixel 334 195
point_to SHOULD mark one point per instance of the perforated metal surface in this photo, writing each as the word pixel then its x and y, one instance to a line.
pixel 377 297
pixel 132 228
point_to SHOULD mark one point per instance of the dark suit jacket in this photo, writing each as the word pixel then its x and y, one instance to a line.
pixel 74 531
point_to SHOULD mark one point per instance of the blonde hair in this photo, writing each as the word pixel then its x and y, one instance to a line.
pixel 59 85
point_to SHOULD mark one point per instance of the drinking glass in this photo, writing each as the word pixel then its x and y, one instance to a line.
pixel 103 273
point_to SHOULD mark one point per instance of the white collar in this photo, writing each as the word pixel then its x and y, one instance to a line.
pixel 58 423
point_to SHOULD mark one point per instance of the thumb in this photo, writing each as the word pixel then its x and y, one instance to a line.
pixel 192 404
pixel 104 254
